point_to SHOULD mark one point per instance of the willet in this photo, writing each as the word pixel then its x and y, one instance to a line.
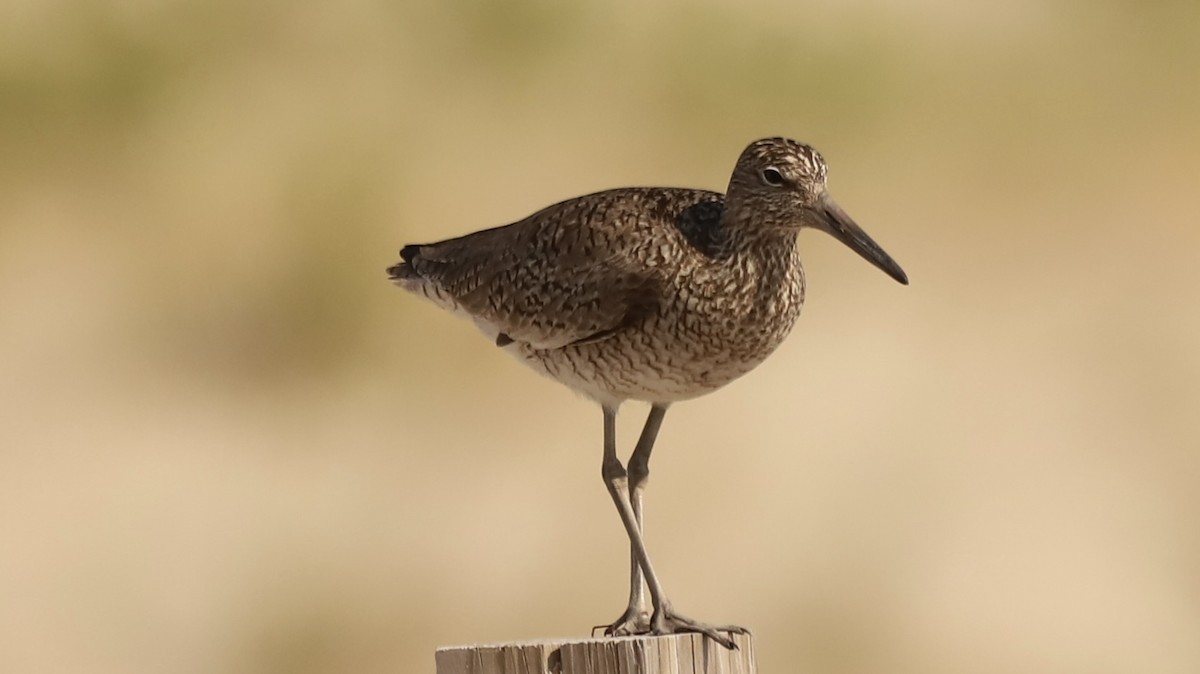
pixel 651 294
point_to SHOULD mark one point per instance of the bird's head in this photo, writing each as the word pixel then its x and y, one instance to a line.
pixel 779 183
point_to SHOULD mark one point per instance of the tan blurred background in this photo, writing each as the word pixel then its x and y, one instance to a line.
pixel 227 444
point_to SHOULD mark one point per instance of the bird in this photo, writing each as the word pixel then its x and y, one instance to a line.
pixel 650 294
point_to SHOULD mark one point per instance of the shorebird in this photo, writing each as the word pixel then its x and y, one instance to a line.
pixel 650 294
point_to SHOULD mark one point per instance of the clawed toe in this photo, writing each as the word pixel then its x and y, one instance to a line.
pixel 668 621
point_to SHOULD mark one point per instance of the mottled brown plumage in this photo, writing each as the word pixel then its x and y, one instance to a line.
pixel 653 294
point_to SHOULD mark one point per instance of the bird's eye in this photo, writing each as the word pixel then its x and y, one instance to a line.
pixel 772 177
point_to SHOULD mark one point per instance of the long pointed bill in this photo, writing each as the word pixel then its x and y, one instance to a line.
pixel 835 221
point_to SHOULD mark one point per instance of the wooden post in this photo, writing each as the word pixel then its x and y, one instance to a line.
pixel 672 654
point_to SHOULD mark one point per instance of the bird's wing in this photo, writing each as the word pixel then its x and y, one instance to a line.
pixel 572 273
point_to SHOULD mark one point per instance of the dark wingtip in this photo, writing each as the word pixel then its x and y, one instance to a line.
pixel 404 269
pixel 409 252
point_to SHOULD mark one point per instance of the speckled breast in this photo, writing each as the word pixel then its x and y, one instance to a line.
pixel 711 332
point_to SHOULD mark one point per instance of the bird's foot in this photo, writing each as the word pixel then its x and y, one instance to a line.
pixel 633 621
pixel 667 621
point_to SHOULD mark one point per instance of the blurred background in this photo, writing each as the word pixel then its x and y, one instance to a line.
pixel 228 444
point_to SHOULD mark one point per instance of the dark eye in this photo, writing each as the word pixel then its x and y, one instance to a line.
pixel 772 177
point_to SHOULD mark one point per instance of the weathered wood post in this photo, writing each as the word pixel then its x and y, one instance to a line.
pixel 673 654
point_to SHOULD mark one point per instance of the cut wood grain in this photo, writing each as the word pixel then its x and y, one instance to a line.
pixel 672 654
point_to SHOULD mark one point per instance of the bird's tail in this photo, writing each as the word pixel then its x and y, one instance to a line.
pixel 402 273
pixel 405 275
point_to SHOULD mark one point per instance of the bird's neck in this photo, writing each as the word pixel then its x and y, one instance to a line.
pixel 748 230
pixel 752 240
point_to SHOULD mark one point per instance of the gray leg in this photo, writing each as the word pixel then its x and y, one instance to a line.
pixel 635 619
pixel 639 461
pixel 616 479
pixel 665 620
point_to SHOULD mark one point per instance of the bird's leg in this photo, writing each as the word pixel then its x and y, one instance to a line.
pixel 636 619
pixel 665 620
pixel 616 479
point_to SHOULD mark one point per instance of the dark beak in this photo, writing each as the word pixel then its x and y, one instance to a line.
pixel 834 220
